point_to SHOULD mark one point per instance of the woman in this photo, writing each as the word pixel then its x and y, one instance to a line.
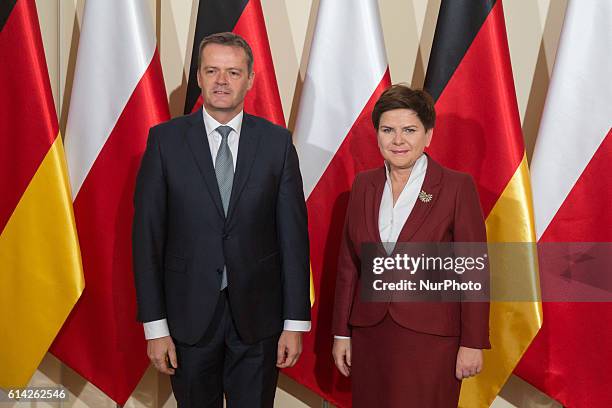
pixel 407 354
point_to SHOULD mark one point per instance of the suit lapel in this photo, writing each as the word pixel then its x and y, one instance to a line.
pixel 247 148
pixel 198 142
pixel 431 186
pixel 372 200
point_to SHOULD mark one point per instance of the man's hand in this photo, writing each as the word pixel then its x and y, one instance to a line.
pixel 289 349
pixel 162 354
pixel 469 362
pixel 342 355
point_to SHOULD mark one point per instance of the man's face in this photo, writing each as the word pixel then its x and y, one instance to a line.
pixel 223 78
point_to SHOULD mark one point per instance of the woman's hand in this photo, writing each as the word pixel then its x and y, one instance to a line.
pixel 469 362
pixel 342 355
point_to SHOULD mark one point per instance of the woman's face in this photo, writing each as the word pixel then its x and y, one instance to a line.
pixel 402 138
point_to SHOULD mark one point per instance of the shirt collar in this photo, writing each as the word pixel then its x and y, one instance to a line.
pixel 211 124
pixel 420 165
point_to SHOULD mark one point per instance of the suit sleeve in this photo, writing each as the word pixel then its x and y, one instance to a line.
pixel 470 227
pixel 149 232
pixel 346 275
pixel 292 228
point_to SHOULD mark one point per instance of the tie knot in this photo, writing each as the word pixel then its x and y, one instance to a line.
pixel 224 131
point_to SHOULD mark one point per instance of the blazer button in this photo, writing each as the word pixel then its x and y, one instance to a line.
pixel 219 271
pixel 226 236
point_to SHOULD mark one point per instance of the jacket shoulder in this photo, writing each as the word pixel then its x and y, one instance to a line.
pixel 266 126
pixel 369 176
pixel 170 127
pixel 455 177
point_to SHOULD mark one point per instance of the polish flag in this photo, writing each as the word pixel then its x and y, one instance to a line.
pixel 335 139
pixel 118 94
pixel 571 174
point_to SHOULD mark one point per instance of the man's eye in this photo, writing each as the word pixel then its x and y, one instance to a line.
pixel 409 130
pixel 386 130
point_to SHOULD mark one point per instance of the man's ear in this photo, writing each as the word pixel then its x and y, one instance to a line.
pixel 251 79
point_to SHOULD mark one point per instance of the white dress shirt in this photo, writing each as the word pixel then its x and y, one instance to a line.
pixel 391 218
pixel 159 328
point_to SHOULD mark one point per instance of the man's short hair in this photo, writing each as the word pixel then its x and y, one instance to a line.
pixel 401 96
pixel 231 40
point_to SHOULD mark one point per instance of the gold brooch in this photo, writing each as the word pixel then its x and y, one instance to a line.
pixel 424 197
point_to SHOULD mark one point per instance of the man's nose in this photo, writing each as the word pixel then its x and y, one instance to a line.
pixel 221 77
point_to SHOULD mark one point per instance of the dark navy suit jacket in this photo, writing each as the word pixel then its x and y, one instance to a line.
pixel 182 240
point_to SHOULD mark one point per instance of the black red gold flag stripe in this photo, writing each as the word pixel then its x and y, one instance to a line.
pixel 41 276
pixel 459 28
pixel 214 16
pixel 5 11
pixel 478 131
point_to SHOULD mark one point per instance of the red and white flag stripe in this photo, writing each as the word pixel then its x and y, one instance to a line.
pixel 347 63
pixel 118 94
pixel 116 47
pixel 578 111
pixel 571 175
pixel 335 140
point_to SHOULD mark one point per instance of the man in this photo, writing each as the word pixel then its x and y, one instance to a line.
pixel 220 242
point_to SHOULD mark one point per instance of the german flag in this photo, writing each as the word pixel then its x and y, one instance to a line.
pixel 478 131
pixel 245 18
pixel 41 276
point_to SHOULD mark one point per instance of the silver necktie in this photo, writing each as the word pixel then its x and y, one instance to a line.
pixel 224 169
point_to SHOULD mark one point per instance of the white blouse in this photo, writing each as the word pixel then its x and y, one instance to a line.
pixel 391 219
